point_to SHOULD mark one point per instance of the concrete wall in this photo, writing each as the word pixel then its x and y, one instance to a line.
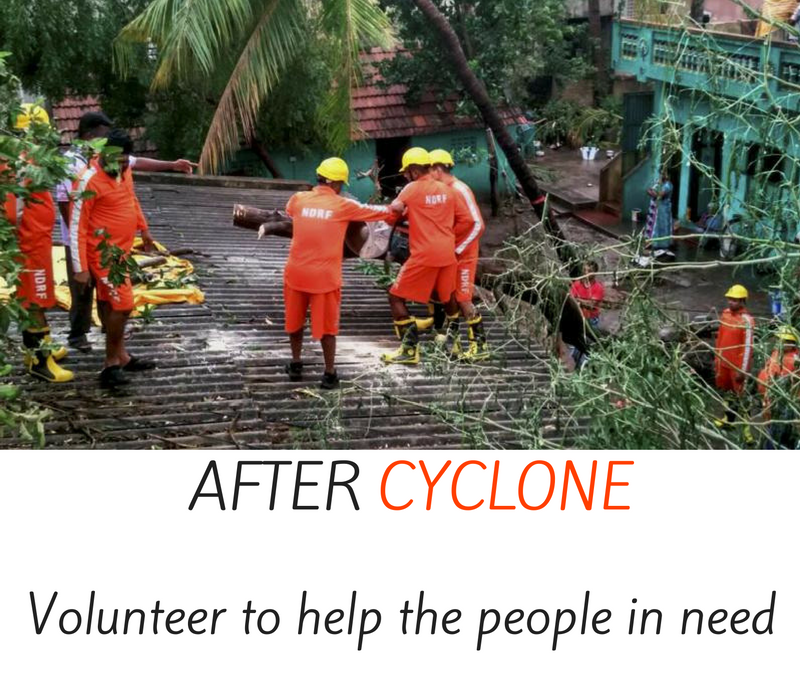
pixel 727 10
pixel 361 155
pixel 580 8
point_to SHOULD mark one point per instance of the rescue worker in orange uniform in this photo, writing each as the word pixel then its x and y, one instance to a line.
pixel 468 228
pixel 430 208
pixel 313 274
pixel 734 348
pixel 33 220
pixel 109 216
pixel 778 383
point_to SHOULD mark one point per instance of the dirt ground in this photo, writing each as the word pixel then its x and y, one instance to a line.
pixel 684 292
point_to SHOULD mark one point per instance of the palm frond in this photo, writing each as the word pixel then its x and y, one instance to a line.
pixel 190 35
pixel 350 26
pixel 275 40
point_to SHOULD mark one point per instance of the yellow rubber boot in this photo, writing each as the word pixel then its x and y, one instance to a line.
pixel 408 352
pixel 425 324
pixel 39 362
pixel 57 352
pixel 478 347
pixel 451 338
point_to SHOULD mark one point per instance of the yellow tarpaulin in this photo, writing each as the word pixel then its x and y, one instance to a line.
pixel 164 286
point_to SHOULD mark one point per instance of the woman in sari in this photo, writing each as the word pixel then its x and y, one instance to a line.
pixel 659 218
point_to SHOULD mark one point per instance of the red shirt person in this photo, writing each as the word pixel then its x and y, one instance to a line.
pixel 105 213
pixel 313 273
pixel 589 293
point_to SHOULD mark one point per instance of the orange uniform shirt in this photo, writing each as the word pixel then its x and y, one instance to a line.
pixel 33 219
pixel 320 218
pixel 775 368
pixel 735 340
pixel 469 225
pixel 431 217
pixel 113 207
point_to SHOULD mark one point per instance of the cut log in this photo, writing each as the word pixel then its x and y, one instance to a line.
pixel 369 241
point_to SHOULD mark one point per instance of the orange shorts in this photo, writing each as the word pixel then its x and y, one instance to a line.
pixel 418 282
pixel 729 378
pixel 118 297
pixel 465 278
pixel 35 282
pixel 324 311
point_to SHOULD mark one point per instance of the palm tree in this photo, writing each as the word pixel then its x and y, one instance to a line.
pixel 253 42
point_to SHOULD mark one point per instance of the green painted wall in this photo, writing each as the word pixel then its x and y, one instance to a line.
pixel 361 155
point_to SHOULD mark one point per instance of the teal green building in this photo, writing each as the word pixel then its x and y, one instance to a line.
pixel 720 112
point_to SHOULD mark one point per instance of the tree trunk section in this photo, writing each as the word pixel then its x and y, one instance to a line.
pixel 600 58
pixel 697 9
pixel 265 157
pixel 492 172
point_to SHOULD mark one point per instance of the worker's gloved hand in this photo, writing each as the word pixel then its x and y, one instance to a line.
pixel 148 244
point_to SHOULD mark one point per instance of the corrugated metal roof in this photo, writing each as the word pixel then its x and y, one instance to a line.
pixel 220 380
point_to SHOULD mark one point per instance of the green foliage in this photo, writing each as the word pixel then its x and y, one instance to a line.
pixel 65 47
pixel 30 163
pixel 567 122
pixel 509 43
pixel 249 48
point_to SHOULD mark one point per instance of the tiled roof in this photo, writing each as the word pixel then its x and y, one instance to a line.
pixel 382 112
pixel 67 113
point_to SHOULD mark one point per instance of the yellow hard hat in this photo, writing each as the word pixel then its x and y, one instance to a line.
pixel 31 113
pixel 787 334
pixel 415 156
pixel 441 157
pixel 334 169
pixel 736 292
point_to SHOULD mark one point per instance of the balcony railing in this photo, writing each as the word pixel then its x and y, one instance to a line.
pixel 724 64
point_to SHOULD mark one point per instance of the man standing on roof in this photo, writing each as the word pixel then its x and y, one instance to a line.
pixel 468 229
pixel 33 221
pixel 430 208
pixel 734 349
pixel 93 125
pixel 313 274
pixel 106 213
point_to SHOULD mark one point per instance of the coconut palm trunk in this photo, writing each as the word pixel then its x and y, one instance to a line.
pixel 560 309
pixel 477 91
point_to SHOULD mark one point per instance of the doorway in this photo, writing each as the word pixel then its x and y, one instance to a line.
pixel 389 153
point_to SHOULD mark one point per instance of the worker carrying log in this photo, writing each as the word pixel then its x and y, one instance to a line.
pixel 468 228
pixel 313 274
pixel 33 221
pixel 429 206
pixel 734 352
pixel 778 383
